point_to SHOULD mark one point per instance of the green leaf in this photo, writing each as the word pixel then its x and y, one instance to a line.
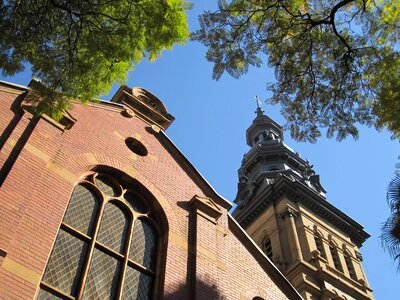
pixel 336 62
pixel 78 50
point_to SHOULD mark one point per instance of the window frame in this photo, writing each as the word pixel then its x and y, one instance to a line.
pixel 88 181
pixel 319 244
pixel 350 265
pixel 333 249
pixel 270 252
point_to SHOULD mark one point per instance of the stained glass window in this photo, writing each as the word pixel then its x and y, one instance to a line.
pixel 102 279
pixel 113 228
pixel 143 245
pixel 135 202
pixel 106 247
pixel 137 285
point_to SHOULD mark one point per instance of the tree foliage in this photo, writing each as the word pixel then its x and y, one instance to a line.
pixel 336 63
pixel 391 228
pixel 80 48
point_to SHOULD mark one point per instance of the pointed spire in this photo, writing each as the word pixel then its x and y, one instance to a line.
pixel 259 111
pixel 262 127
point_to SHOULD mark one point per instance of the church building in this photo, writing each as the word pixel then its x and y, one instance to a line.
pixel 101 204
pixel 282 206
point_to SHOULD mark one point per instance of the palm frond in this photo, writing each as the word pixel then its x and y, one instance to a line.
pixel 390 237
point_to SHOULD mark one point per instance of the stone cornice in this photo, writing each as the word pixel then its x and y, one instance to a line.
pixel 278 152
pixel 341 281
pixel 299 192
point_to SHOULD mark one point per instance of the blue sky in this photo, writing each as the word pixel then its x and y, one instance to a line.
pixel 211 120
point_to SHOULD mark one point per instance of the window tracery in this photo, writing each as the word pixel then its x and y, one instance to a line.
pixel 106 247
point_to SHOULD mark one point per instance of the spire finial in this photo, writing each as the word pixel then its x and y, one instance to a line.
pixel 259 110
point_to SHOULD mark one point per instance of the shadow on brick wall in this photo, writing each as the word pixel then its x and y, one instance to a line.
pixel 21 141
pixel 18 112
pixel 205 291
pixel 193 288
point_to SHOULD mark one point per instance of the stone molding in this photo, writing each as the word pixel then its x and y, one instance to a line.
pixel 206 207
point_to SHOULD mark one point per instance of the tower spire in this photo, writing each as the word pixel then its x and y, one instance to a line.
pixel 281 204
pixel 259 111
pixel 262 127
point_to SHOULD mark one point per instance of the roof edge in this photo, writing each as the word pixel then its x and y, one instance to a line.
pixel 286 287
pixel 13 87
pixel 220 200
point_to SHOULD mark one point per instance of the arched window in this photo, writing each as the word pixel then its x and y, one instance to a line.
pixel 267 247
pixel 319 244
pixel 106 247
pixel 350 266
pixel 335 257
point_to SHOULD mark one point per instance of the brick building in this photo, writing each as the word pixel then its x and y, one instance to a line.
pixel 103 205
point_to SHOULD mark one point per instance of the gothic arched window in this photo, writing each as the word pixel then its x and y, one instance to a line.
pixel 267 247
pixel 106 247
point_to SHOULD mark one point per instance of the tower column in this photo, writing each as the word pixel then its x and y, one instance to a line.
pixel 293 238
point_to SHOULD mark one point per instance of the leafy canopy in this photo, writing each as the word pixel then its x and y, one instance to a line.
pixel 390 236
pixel 80 48
pixel 336 63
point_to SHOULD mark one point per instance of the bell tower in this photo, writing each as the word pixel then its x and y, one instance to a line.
pixel 282 206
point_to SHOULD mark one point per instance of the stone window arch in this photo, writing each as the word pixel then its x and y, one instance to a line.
pixel 335 256
pixel 319 244
pixel 349 264
pixel 108 244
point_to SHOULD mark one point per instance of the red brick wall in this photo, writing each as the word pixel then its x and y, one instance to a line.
pixel 35 193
